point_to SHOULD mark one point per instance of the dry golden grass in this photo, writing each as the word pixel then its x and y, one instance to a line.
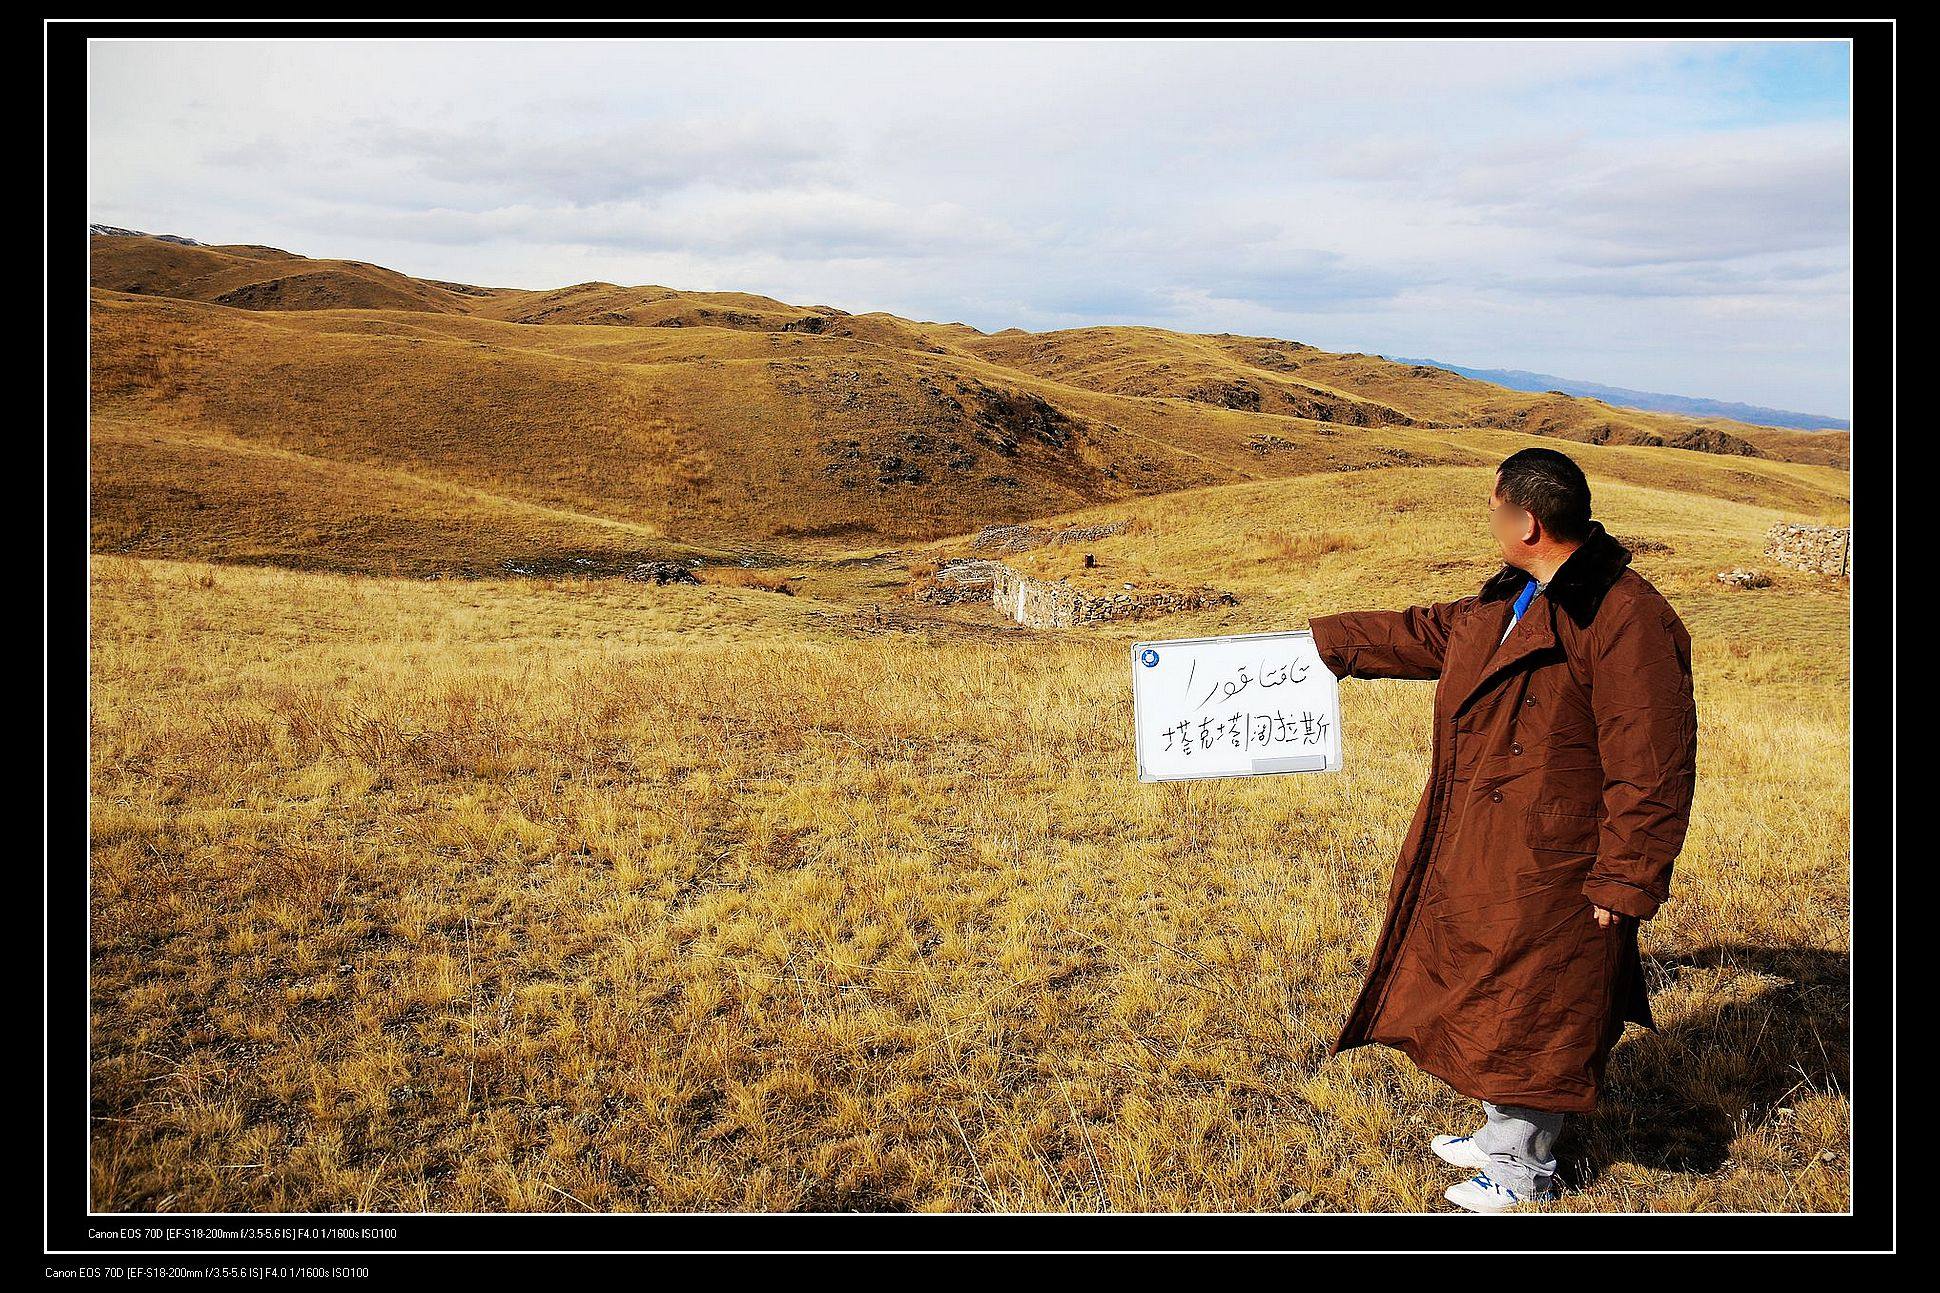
pixel 735 577
pixel 567 895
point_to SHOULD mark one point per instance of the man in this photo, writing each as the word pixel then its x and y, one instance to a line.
pixel 1565 751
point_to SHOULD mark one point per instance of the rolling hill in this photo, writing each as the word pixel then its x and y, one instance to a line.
pixel 253 405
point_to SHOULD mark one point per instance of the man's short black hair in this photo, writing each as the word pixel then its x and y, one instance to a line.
pixel 1552 487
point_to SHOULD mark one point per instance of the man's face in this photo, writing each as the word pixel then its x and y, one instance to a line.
pixel 1510 525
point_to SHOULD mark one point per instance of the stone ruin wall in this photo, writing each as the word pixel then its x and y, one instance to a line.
pixel 1016 538
pixel 1821 549
pixel 1056 604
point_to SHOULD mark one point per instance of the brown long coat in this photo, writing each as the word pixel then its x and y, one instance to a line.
pixel 1562 775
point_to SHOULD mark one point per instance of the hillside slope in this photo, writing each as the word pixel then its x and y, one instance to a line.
pixel 259 278
pixel 253 405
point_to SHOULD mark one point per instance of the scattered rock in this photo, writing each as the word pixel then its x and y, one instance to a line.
pixel 1745 578
pixel 1389 457
pixel 662 572
pixel 585 567
pixel 1007 420
pixel 1227 395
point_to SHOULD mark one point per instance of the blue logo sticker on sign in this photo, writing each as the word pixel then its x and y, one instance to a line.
pixel 1149 657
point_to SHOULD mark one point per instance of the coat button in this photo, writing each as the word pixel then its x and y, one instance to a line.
pixel 1515 747
pixel 1528 700
pixel 1496 796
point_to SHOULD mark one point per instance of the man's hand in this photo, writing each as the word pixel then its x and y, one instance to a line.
pixel 1605 917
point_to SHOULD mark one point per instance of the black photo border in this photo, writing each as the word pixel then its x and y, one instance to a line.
pixel 75 1239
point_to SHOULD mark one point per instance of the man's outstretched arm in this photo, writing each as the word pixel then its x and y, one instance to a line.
pixel 1387 644
pixel 1646 732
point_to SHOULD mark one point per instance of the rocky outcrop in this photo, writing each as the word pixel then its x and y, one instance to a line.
pixel 1006 420
pixel 1712 440
pixel 1821 549
pixel 1227 395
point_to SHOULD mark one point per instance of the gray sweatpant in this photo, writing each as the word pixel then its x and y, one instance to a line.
pixel 1522 1143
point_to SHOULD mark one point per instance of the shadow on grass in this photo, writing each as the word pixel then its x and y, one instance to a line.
pixel 1675 1099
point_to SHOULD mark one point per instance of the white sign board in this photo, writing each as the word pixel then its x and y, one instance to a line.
pixel 1234 707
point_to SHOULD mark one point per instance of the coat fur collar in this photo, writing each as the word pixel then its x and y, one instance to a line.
pixel 1579 583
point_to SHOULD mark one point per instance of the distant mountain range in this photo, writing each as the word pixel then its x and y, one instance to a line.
pixel 1654 401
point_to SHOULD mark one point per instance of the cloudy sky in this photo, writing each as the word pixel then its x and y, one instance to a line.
pixel 1666 216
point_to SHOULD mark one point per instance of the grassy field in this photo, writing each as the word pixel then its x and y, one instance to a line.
pixel 592 895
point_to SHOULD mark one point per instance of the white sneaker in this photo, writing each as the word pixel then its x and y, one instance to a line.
pixel 1461 1151
pixel 1482 1193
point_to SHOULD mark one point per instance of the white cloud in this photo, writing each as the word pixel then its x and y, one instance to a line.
pixel 1646 213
